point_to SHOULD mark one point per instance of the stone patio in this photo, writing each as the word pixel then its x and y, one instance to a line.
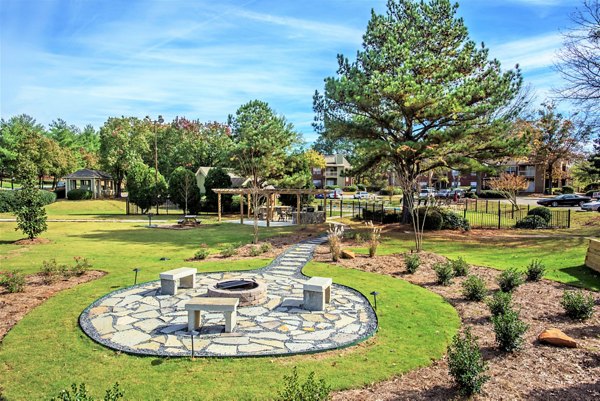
pixel 139 320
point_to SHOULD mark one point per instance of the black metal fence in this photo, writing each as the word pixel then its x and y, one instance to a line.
pixel 166 207
pixel 479 213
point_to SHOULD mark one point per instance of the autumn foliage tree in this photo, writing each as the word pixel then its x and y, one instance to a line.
pixel 509 185
pixel 423 95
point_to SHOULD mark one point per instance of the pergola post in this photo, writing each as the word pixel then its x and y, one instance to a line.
pixel 325 206
pixel 298 208
pixel 241 209
pixel 219 205
pixel 268 210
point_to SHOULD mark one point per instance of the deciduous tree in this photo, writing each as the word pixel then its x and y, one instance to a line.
pixel 143 188
pixel 509 185
pixel 184 191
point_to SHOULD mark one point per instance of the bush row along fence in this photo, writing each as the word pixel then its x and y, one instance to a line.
pixel 479 213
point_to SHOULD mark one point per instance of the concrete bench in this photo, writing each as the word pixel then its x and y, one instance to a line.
pixel 172 279
pixel 317 293
pixel 226 305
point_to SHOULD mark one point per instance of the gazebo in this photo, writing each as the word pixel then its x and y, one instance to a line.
pixel 269 193
pixel 99 183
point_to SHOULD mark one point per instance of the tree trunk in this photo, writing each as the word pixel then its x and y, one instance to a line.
pixel 550 176
pixel 406 212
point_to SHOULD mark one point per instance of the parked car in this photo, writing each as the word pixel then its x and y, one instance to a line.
pixel 426 193
pixel 361 195
pixel 459 192
pixel 593 206
pixel 335 194
pixel 564 200
pixel 443 193
pixel 319 196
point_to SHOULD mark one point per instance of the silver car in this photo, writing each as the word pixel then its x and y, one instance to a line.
pixel 591 206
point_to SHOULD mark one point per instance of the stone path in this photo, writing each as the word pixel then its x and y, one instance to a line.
pixel 140 320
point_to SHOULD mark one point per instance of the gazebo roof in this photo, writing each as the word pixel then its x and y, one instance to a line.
pixel 85 173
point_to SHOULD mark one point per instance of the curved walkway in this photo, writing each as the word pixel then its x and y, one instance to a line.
pixel 139 320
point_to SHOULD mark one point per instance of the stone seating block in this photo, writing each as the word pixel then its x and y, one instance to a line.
pixel 184 277
pixel 226 305
pixel 317 293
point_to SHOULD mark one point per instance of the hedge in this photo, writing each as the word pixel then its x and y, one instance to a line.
pixel 79 194
pixel 489 194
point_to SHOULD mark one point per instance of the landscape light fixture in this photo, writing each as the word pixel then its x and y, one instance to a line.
pixel 136 270
pixel 150 214
pixel 375 293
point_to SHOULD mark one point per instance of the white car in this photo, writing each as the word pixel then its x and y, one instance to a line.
pixel 593 206
pixel 361 195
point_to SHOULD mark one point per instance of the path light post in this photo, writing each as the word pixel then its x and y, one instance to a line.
pixel 159 120
pixel 150 214
pixel 375 293
pixel 136 270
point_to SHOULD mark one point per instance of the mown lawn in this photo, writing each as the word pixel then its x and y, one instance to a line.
pixel 47 351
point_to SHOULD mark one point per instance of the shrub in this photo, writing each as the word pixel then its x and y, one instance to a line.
pixel 255 251
pixel 465 363
pixel 80 394
pixel 412 262
pixel 310 390
pixel 541 211
pixel 390 191
pixel 499 303
pixel 577 305
pixel 13 281
pixel 489 194
pixel 510 279
pixel 460 267
pixel 532 223
pixel 594 186
pixel 474 288
pixel 349 188
pixel 47 197
pixel 361 187
pixel 374 235
pixel 433 220
pixel 509 330
pixel 453 221
pixel 265 247
pixel 444 273
pixel 201 254
pixel 7 201
pixel 51 271
pixel 332 186
pixel 79 194
pixel 81 266
pixel 535 270
pixel 229 251
pixel 568 189
pixel 334 236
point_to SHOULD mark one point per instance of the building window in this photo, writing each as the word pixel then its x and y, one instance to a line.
pixel 317 170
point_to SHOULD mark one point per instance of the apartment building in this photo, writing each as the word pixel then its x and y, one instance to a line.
pixel 334 172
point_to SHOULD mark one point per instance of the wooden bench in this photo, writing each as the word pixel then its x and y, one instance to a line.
pixel 317 293
pixel 226 305
pixel 183 277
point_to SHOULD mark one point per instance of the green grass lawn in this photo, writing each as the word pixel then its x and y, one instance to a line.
pixel 46 351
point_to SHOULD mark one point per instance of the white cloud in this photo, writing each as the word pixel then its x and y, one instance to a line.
pixel 531 53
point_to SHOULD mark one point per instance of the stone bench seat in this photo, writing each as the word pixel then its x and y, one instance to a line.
pixel 317 293
pixel 184 277
pixel 226 305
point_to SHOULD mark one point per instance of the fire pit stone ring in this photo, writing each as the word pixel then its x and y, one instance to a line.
pixel 250 292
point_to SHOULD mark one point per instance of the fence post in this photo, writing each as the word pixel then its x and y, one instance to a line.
pixel 527 208
pixel 499 215
pixel 476 202
pixel 382 212
pixel 353 209
pixel 486 205
pixel 341 207
pixel 127 206
pixel 331 209
pixel 569 218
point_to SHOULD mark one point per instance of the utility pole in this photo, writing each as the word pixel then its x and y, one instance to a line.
pixel 160 120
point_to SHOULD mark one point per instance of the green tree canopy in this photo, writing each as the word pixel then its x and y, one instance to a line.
pixel 184 191
pixel 143 188
pixel 217 178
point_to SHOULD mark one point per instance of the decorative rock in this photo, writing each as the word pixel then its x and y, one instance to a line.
pixel 347 254
pixel 557 338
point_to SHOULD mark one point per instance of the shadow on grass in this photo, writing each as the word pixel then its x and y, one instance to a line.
pixel 585 277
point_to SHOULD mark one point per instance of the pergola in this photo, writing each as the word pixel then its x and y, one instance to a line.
pixel 269 193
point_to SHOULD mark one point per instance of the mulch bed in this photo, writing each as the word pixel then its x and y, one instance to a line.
pixel 536 372
pixel 14 306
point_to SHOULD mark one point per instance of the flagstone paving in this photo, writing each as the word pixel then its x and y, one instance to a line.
pixel 140 320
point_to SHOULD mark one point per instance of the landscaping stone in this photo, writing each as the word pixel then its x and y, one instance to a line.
pixel 557 338
pixel 347 254
pixel 141 320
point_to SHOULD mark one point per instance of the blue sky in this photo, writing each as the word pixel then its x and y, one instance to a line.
pixel 84 61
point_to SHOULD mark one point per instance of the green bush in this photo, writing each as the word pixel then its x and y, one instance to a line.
pixel 577 305
pixel 567 189
pixel 229 251
pixel 183 189
pixel 535 270
pixel 412 262
pixel 255 251
pixel 201 254
pixel 453 221
pixel 310 390
pixel 13 281
pixel 489 194
pixel 79 194
pixel 217 178
pixel 332 186
pixel 51 271
pixel 350 188
pixel 474 288
pixel 265 247
pixel 388 192
pixel 361 187
pixel 593 187
pixel 432 221
pixel 80 394
pixel 509 330
pixel 465 363
pixel 510 279
pixel 532 223
pixel 81 266
pixel 460 267
pixel 541 211
pixel 47 197
pixel 444 273
pixel 7 201
pixel 499 303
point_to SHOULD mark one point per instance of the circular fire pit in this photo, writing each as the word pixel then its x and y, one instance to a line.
pixel 249 292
